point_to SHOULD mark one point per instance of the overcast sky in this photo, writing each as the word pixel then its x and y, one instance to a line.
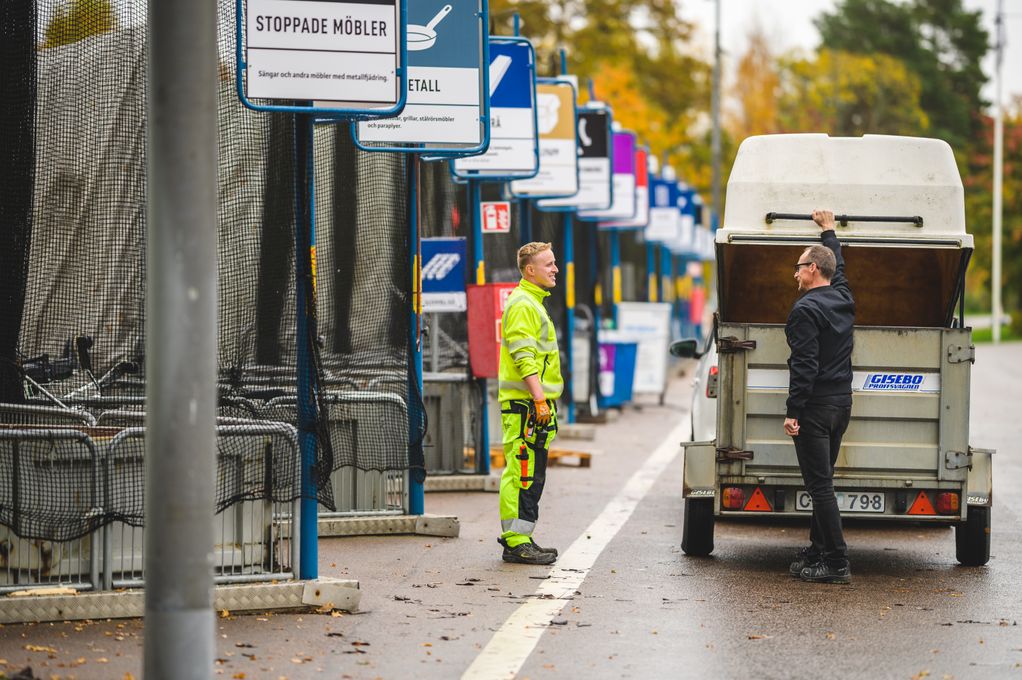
pixel 790 24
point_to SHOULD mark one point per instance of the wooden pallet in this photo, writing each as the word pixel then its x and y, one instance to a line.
pixel 554 457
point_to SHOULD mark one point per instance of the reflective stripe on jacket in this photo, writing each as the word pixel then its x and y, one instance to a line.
pixel 528 345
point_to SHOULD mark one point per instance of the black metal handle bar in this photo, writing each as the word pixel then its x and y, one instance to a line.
pixel 843 220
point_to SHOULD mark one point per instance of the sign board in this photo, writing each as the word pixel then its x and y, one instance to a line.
pixel 663 213
pixel 304 50
pixel 514 141
pixel 623 206
pixel 685 240
pixel 641 218
pixel 443 274
pixel 649 324
pixel 448 102
pixel 496 217
pixel 558 157
pixel 594 157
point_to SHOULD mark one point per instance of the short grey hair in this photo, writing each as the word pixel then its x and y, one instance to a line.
pixel 823 258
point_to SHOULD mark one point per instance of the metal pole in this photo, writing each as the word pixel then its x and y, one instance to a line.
pixel 181 305
pixel 995 275
pixel 651 277
pixel 416 489
pixel 475 200
pixel 569 304
pixel 525 223
pixel 715 113
pixel 305 248
pixel 615 273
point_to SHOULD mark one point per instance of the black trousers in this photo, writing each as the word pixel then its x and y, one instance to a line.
pixel 817 444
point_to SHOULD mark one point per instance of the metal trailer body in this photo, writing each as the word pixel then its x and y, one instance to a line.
pixel 906 453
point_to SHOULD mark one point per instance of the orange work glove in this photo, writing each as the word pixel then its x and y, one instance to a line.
pixel 543 414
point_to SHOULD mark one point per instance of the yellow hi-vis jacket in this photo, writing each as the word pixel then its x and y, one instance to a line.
pixel 528 345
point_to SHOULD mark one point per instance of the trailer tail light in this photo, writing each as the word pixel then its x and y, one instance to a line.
pixel 711 382
pixel 947 503
pixel 922 505
pixel 734 498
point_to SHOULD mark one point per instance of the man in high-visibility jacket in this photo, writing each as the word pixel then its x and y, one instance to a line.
pixel 530 381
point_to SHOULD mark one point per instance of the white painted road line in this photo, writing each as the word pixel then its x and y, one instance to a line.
pixel 510 646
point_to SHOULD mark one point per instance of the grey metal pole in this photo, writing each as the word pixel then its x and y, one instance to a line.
pixel 995 273
pixel 715 113
pixel 181 338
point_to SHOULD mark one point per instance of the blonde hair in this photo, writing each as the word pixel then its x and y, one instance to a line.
pixel 526 253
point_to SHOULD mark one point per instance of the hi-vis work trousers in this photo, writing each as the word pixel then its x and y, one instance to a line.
pixel 525 457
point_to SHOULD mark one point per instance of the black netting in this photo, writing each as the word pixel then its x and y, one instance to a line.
pixel 73 270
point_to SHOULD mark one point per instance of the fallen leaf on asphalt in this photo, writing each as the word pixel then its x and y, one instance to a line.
pixel 102 659
pixel 40 648
pixel 359 643
pixel 244 645
pixel 238 676
pixel 325 609
pixel 224 614
pixel 427 644
pixel 336 614
pixel 559 622
pixel 760 637
pixel 831 636
pixel 920 675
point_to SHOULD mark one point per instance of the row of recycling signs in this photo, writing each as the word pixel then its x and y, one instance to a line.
pixel 410 77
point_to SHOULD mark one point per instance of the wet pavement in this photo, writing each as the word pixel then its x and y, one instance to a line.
pixel 430 605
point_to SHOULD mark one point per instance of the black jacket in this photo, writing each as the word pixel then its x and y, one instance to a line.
pixel 819 333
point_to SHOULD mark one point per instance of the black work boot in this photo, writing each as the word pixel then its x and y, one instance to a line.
pixel 822 572
pixel 803 558
pixel 526 553
pixel 537 546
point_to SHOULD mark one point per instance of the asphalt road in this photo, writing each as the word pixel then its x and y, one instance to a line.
pixel 644 609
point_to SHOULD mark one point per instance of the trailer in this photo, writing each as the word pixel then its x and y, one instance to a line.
pixel 906 454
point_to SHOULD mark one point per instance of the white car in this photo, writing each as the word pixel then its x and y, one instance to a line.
pixel 704 387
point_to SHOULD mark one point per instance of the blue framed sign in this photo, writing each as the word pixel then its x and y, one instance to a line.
pixel 514 140
pixel 558 155
pixel 448 106
pixel 664 219
pixel 685 241
pixel 443 274
pixel 595 155
pixel 641 217
pixel 623 205
pixel 349 55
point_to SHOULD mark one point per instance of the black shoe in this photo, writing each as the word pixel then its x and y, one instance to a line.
pixel 821 572
pixel 552 551
pixel 526 553
pixel 803 558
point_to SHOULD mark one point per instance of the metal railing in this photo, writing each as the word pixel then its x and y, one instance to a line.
pixel 253 541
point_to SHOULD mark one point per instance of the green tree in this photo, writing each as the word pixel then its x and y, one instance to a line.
pixel 78 19
pixel 938 40
pixel 978 182
pixel 847 94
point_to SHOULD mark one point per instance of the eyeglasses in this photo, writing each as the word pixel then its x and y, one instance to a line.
pixel 802 264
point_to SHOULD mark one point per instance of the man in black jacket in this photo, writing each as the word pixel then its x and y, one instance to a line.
pixel 819 334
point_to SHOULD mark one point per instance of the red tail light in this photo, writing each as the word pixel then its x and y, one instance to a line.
pixel 947 503
pixel 734 498
pixel 711 382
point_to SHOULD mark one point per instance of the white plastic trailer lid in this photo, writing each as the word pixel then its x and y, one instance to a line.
pixel 873 175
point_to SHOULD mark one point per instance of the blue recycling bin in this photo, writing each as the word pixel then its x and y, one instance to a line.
pixel 617 372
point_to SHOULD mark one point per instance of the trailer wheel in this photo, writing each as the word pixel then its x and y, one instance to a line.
pixel 697 528
pixel 972 537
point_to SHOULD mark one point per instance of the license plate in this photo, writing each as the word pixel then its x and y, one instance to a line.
pixel 847 501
